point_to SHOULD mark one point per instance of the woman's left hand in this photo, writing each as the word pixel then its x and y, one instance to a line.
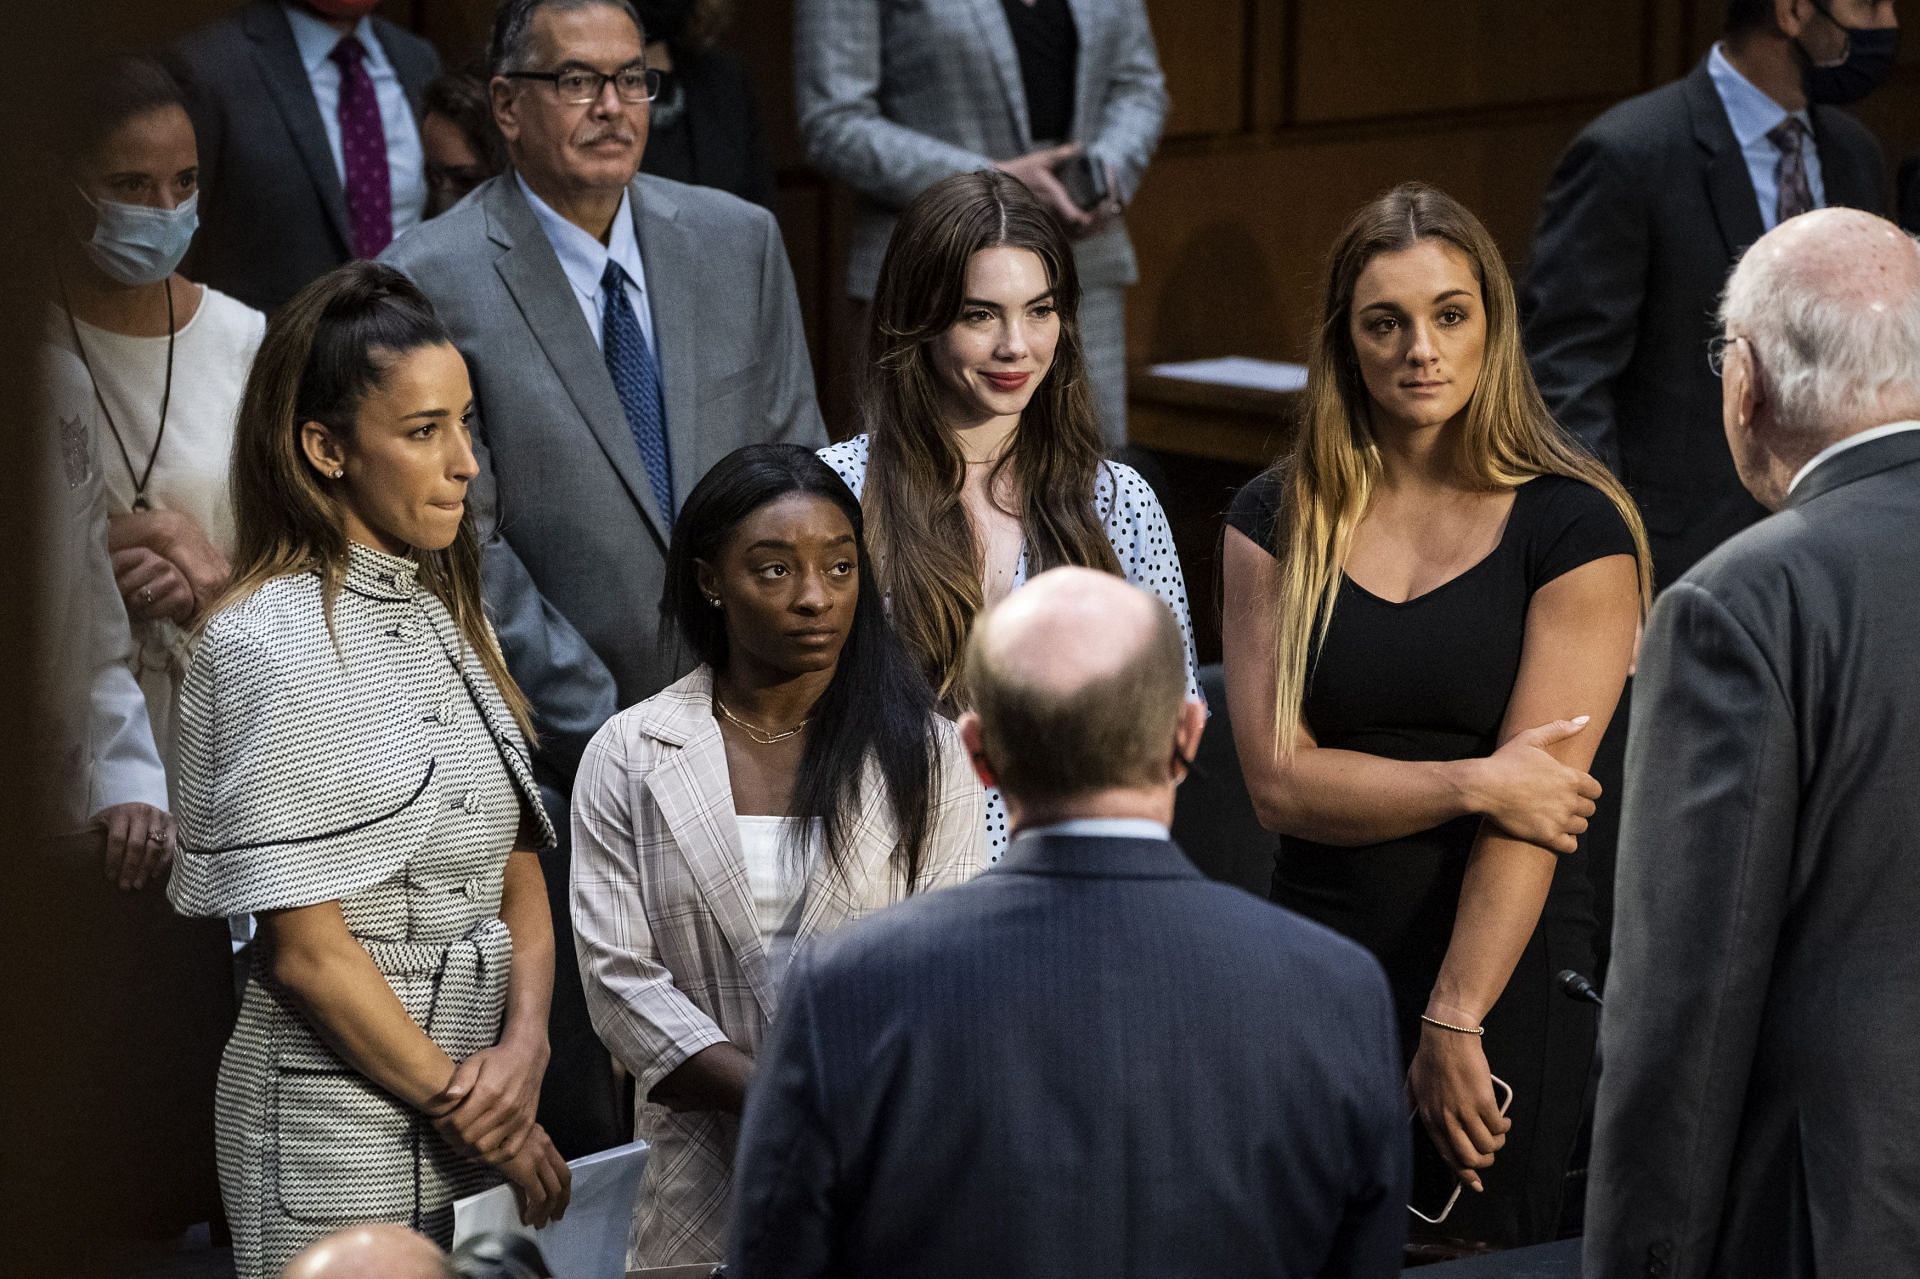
pixel 486 1110
pixel 176 538
pixel 1452 1089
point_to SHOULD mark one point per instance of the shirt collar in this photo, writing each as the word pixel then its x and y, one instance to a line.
pixel 380 575
pixel 583 258
pixel 1750 111
pixel 1103 828
pixel 315 39
pixel 1852 441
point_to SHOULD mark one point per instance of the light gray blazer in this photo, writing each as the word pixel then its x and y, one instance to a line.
pixel 578 546
pixel 1757 1111
pixel 894 95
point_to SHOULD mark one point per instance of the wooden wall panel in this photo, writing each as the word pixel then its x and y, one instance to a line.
pixel 1376 59
pixel 1204 49
pixel 1231 242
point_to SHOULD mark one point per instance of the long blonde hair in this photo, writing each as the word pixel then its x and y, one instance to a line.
pixel 1326 482
pixel 321 355
pixel 923 541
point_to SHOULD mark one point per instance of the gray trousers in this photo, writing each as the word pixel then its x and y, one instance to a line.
pixel 1103 337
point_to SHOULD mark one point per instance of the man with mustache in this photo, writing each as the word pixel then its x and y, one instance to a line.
pixel 306 113
pixel 624 332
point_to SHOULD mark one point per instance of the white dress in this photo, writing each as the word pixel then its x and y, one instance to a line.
pixel 213 352
pixel 1142 542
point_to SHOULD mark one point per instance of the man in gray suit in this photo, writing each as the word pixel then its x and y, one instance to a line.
pixel 306 113
pixel 894 95
pixel 1757 1114
pixel 624 333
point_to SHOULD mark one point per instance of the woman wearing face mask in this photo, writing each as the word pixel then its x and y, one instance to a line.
pixel 1430 608
pixel 354 773
pixel 796 780
pixel 980 462
pixel 163 360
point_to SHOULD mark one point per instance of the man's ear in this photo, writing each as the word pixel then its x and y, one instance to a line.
pixel 506 115
pixel 970 737
pixel 1187 734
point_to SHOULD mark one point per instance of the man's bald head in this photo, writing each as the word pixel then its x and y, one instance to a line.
pixel 371 1252
pixel 1830 304
pixel 1078 679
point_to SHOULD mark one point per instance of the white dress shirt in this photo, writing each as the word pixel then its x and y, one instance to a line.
pixel 1753 114
pixel 1103 828
pixel 406 157
pixel 1852 441
pixel 585 259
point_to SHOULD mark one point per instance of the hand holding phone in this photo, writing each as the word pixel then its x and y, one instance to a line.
pixel 1085 179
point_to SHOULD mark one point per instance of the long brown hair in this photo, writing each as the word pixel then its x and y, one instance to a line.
pixel 321 355
pixel 928 557
pixel 1327 481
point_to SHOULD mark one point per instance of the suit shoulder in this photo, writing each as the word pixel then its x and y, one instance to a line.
pixel 712 209
pixel 203 56
pixel 1846 130
pixel 1271 929
pixel 446 242
pixel 1644 123
pixel 400 42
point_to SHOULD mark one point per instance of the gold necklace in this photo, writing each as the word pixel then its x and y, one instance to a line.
pixel 761 735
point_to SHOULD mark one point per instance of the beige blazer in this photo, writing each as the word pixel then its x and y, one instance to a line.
pixel 668 941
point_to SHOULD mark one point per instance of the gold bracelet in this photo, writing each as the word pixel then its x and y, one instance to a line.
pixel 1463 1030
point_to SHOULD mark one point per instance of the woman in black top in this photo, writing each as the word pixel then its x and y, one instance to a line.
pixel 1431 607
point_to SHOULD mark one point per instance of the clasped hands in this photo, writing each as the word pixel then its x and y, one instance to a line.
pixel 486 1112
pixel 165 567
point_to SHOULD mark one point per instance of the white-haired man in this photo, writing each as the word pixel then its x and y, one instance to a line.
pixel 1757 1114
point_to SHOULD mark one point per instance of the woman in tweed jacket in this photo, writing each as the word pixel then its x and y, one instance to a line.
pixel 354 772
pixel 797 779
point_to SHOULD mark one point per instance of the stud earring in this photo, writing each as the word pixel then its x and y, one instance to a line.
pixel 338 473
pixel 714 600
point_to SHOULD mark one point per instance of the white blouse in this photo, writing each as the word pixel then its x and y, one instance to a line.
pixel 1142 541
pixel 213 352
pixel 777 879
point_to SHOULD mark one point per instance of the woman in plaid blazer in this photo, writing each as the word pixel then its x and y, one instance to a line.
pixel 799 778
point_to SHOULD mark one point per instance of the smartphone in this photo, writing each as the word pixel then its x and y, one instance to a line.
pixel 1436 1186
pixel 1085 179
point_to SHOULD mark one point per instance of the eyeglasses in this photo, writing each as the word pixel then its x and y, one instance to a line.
pixel 579 86
pixel 1717 352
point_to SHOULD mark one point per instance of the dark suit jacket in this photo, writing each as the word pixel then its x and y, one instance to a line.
pixel 1909 187
pixel 1648 211
pixel 273 216
pixel 1757 1111
pixel 713 138
pixel 1051 1071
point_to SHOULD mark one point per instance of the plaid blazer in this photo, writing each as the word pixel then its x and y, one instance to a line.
pixel 668 941
pixel 894 95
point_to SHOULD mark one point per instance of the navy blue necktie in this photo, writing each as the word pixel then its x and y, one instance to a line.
pixel 637 379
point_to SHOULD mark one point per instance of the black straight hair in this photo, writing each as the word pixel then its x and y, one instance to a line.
pixel 1748 15
pixel 118 89
pixel 877 703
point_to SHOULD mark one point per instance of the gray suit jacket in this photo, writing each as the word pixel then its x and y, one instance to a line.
pixel 273 216
pixel 578 545
pixel 894 95
pixel 1757 1112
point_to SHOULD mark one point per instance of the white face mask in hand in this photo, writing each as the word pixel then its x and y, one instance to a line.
pixel 139 244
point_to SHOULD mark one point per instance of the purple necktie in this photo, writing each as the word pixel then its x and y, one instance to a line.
pixel 1790 170
pixel 363 152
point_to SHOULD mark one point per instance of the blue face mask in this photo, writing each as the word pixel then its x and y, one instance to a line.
pixel 139 244
pixel 1868 62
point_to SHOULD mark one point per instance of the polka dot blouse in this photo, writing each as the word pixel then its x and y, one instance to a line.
pixel 1142 541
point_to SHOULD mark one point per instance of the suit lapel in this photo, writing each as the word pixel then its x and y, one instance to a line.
pixel 1845 184
pixel 1729 186
pixel 1087 84
pixel 672 260
pixel 997 38
pixel 540 289
pixel 285 78
pixel 700 816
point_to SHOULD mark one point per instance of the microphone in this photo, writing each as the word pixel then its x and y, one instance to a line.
pixel 1574 986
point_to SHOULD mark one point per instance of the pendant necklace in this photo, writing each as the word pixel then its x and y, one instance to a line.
pixel 139 477
pixel 761 735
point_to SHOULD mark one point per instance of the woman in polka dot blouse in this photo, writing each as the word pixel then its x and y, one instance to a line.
pixel 980 460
